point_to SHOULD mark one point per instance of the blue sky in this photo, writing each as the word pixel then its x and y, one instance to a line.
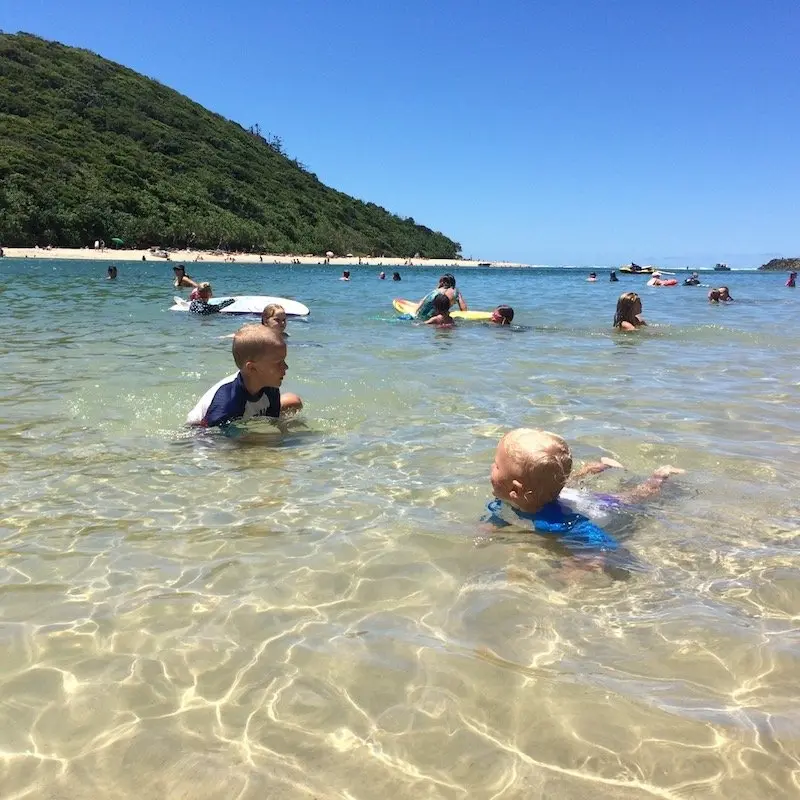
pixel 591 132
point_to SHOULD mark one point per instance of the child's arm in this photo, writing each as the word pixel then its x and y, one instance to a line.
pixel 433 320
pixel 595 468
pixel 651 486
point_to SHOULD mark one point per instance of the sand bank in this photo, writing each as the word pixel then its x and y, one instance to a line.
pixel 192 256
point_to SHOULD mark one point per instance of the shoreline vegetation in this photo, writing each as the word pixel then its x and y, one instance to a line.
pixel 92 150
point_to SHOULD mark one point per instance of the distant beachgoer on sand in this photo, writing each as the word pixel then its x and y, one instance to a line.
pixel 96 244
pixel 613 277
pixel 447 286
pixel 790 283
pixel 441 308
pixel 396 276
pixel 592 276
pixel 721 295
pixel 628 316
pixel 502 315
pixel 201 305
pixel 182 279
pixel 382 276
pixel 112 273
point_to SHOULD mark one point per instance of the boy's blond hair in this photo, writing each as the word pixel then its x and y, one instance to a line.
pixel 544 462
pixel 252 341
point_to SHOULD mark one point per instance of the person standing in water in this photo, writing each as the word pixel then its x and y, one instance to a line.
pixel 628 316
pixel 613 277
pixel 182 280
pixel 792 280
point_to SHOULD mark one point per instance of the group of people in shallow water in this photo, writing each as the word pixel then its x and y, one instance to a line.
pixel 532 481
pixel 628 316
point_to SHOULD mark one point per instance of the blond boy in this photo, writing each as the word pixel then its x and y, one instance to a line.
pixel 253 391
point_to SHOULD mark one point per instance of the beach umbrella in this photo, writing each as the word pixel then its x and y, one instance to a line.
pixel 117 241
pixel 329 254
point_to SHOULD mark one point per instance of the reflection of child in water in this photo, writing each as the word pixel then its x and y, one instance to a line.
pixel 441 310
pixel 530 471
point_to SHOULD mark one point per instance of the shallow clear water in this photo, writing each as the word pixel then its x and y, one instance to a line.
pixel 317 614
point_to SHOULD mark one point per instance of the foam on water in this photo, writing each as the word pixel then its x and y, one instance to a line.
pixel 319 614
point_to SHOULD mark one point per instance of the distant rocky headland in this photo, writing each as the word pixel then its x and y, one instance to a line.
pixel 782 265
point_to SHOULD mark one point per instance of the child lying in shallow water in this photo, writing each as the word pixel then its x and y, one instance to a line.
pixel 530 471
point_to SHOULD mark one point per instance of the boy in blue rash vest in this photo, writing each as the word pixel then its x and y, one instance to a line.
pixel 253 391
pixel 529 473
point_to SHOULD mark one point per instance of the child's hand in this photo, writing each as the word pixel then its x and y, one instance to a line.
pixel 667 470
pixel 611 463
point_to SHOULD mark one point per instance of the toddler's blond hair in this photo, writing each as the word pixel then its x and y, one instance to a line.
pixel 252 341
pixel 544 462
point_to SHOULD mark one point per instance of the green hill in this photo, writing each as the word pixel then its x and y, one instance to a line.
pixel 92 150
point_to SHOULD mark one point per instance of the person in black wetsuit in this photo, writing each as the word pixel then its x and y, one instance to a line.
pixel 200 304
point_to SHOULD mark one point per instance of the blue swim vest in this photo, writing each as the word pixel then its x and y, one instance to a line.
pixel 574 530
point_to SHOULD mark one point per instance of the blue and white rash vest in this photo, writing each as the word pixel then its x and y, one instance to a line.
pixel 228 400
pixel 574 530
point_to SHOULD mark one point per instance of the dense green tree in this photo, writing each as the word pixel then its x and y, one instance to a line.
pixel 92 150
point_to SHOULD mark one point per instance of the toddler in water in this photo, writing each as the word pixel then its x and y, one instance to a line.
pixel 441 310
pixel 530 471
pixel 628 316
pixel 274 316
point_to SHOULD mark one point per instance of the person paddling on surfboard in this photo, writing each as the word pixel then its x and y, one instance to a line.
pixel 447 286
pixel 200 304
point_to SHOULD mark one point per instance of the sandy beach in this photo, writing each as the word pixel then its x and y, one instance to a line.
pixel 192 256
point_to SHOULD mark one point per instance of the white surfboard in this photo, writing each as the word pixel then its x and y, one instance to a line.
pixel 250 304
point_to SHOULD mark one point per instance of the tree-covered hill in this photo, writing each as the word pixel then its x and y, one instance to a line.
pixel 782 265
pixel 92 150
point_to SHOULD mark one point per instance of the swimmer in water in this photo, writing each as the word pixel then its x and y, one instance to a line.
pixel 692 280
pixel 613 277
pixel 592 276
pixel 721 295
pixel 529 477
pixel 112 273
pixel 182 280
pixel 345 275
pixel 200 303
pixel 502 315
pixel 441 310
pixel 274 317
pixel 792 280
pixel 382 276
pixel 396 276
pixel 628 316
